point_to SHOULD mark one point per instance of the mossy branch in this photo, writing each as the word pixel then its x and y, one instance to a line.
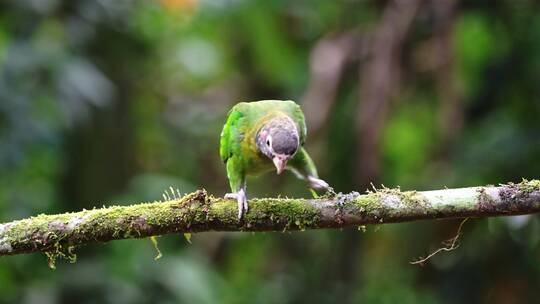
pixel 198 212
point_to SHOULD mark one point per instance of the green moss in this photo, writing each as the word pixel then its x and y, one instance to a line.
pixel 410 199
pixel 369 202
pixel 527 186
pixel 288 212
pixel 54 234
pixel 60 251
pixel 385 199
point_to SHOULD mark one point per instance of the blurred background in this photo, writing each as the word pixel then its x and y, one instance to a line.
pixel 107 102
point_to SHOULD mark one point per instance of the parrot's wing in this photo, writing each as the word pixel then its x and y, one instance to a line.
pixel 230 136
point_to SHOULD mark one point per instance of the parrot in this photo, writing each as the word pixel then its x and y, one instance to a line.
pixel 261 136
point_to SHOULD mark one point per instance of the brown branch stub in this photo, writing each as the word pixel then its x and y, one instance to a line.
pixel 328 59
pixel 198 212
pixel 379 81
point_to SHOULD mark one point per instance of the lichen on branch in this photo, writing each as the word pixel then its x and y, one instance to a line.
pixel 197 212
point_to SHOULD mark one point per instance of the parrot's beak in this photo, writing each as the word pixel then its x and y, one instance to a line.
pixel 280 161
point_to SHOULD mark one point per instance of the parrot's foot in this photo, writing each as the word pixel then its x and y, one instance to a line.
pixel 240 197
pixel 316 183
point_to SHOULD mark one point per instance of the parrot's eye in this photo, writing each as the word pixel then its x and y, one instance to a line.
pixel 268 142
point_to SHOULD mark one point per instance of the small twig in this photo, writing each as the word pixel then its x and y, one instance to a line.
pixel 450 244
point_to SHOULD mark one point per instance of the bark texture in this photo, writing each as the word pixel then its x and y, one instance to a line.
pixel 198 212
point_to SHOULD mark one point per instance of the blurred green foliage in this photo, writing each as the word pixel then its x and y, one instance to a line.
pixel 115 101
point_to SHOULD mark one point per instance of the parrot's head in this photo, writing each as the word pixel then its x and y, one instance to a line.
pixel 278 140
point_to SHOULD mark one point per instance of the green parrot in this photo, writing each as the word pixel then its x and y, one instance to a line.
pixel 260 136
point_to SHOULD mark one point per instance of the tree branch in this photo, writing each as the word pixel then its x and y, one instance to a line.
pixel 198 211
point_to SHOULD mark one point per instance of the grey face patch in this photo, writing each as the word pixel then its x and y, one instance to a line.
pixel 278 136
pixel 284 141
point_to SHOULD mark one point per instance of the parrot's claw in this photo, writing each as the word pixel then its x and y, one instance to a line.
pixel 317 183
pixel 240 197
pixel 230 195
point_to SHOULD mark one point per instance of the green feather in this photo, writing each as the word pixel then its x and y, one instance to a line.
pixel 230 135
